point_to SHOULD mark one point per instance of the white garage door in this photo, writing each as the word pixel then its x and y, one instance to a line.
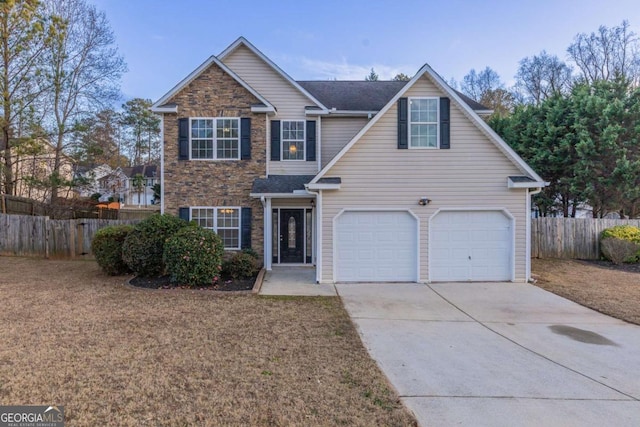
pixel 376 247
pixel 470 245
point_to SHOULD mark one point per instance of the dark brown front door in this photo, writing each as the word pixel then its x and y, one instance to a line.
pixel 291 235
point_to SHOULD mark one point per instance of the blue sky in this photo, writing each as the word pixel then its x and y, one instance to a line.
pixel 163 41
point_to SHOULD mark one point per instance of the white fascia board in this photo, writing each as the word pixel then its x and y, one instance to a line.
pixel 341 113
pixel 473 116
pixel 263 109
pixel 195 73
pixel 242 41
pixel 532 184
pixel 162 110
pixel 321 186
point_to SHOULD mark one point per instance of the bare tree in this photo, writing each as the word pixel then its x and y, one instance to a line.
pixel 22 42
pixel 487 88
pixel 607 54
pixel 475 84
pixel 542 76
pixel 84 68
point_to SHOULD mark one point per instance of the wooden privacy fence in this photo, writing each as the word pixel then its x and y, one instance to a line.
pixel 574 238
pixel 50 238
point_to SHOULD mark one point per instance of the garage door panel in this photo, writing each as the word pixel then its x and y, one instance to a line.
pixel 376 246
pixel 470 246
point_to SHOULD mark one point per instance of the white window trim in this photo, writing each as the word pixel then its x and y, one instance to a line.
pixel 304 141
pixel 215 222
pixel 437 123
pixel 215 139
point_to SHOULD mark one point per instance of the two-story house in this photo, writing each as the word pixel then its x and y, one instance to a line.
pixel 367 181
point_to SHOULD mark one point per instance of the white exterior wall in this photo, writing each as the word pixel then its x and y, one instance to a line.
pixel 290 103
pixel 375 174
pixel 337 132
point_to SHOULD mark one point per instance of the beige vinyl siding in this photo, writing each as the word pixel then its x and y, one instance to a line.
pixel 375 174
pixel 337 132
pixel 288 100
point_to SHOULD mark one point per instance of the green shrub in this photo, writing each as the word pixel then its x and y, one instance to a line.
pixel 193 256
pixel 241 265
pixel 624 232
pixel 107 248
pixel 144 246
pixel 613 248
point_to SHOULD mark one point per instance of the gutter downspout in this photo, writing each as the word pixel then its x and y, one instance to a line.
pixel 162 163
pixel 528 231
pixel 318 245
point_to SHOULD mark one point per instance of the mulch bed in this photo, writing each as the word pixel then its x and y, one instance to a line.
pixel 631 268
pixel 164 282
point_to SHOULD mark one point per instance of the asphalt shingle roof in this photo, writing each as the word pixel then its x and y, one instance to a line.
pixel 280 183
pixel 362 95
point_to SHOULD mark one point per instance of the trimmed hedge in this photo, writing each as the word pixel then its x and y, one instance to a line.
pixel 107 248
pixel 241 265
pixel 144 247
pixel 193 256
pixel 621 244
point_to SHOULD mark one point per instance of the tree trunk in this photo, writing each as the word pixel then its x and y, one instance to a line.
pixel 8 162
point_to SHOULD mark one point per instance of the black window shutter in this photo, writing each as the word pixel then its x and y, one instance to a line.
pixel 184 214
pixel 245 138
pixel 311 140
pixel 275 140
pixel 245 239
pixel 445 124
pixel 183 139
pixel 403 123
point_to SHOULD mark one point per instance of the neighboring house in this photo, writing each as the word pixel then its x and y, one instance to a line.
pixel 34 165
pixel 368 181
pixel 141 194
pixel 90 177
pixel 113 186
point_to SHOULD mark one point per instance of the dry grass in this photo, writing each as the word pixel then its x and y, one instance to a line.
pixel 616 293
pixel 127 357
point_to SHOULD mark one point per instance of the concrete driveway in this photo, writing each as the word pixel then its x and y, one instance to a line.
pixel 499 354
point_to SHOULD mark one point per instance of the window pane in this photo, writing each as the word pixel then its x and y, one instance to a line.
pixel 230 238
pixel 227 134
pixel 291 233
pixel 293 140
pixel 203 217
pixel 228 217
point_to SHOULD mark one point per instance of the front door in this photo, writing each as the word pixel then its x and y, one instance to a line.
pixel 292 235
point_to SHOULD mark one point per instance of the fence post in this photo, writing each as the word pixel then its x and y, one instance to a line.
pixel 46 237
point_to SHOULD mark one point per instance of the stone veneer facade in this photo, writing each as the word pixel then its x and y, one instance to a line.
pixel 215 183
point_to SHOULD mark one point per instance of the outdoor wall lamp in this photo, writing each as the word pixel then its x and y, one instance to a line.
pixel 313 203
pixel 424 201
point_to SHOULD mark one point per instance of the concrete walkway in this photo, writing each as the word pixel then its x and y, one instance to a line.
pixel 298 281
pixel 499 354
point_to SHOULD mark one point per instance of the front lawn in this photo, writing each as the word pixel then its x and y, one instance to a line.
pixel 114 355
pixel 611 291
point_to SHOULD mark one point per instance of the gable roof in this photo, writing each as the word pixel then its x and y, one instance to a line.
pixel 360 95
pixel 147 171
pixel 241 41
pixel 160 106
pixel 466 109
